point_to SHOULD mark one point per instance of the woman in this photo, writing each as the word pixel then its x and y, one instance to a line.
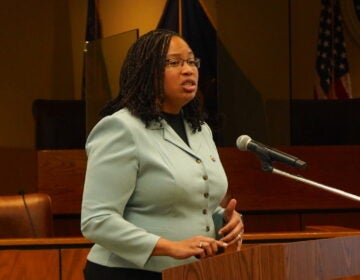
pixel 154 180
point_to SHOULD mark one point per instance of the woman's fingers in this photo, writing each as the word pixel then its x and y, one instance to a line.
pixel 210 247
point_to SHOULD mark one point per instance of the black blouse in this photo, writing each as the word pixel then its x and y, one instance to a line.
pixel 177 123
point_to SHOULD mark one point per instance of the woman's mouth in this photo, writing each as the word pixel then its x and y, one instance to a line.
pixel 189 85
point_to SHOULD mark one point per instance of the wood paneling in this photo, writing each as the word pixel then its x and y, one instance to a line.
pixel 29 264
pixel 67 225
pixel 268 222
pixel 335 166
pixel 61 174
pixel 43 258
pixel 268 202
pixel 73 262
pixel 17 170
pixel 349 219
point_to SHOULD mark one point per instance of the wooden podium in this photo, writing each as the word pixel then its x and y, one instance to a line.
pixel 333 258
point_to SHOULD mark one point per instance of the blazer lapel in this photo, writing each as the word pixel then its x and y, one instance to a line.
pixel 171 136
pixel 193 138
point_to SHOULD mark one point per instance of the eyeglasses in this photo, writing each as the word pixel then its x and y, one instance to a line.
pixel 193 62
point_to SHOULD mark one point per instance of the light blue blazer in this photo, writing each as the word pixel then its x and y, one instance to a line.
pixel 145 183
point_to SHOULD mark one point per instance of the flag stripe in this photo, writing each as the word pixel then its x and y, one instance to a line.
pixel 332 66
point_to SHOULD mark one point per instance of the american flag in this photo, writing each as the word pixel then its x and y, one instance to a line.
pixel 332 67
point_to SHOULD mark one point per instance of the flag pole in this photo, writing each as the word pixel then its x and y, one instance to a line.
pixel 333 77
pixel 180 17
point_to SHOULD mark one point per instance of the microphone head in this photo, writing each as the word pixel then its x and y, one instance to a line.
pixel 242 142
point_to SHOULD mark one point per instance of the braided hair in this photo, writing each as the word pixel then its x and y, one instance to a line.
pixel 142 81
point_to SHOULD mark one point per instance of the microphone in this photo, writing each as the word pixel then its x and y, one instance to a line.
pixel 267 154
pixel 27 210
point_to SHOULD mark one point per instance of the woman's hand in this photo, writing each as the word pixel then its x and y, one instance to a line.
pixel 198 246
pixel 233 230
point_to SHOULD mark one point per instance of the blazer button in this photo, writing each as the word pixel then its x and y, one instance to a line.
pixel 206 195
pixel 198 160
pixel 205 177
pixel 207 228
pixel 204 211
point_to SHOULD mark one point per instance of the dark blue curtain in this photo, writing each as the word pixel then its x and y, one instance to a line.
pixel 170 17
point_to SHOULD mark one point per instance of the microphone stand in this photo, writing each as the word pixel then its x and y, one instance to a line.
pixel 266 166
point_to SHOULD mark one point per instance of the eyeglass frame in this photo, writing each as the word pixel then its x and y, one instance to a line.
pixel 179 62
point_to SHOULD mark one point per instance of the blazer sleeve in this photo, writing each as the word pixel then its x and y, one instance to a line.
pixel 109 182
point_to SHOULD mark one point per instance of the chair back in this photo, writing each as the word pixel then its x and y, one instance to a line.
pixel 28 215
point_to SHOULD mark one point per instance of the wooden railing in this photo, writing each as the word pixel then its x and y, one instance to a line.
pixel 64 258
pixel 43 258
